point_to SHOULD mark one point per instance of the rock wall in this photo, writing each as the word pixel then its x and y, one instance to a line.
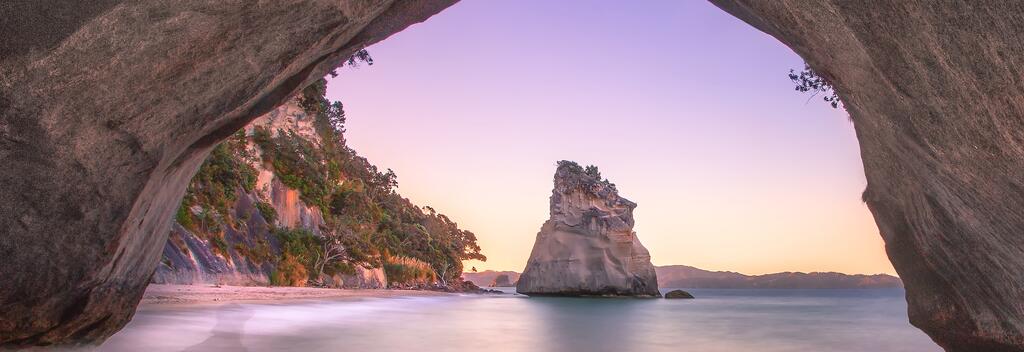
pixel 588 247
pixel 934 91
pixel 189 259
pixel 107 109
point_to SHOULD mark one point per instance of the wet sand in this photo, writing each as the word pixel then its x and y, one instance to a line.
pixel 187 295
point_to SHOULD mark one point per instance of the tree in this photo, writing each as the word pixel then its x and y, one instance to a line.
pixel 360 56
pixel 330 251
pixel 809 81
pixel 367 221
pixel 442 271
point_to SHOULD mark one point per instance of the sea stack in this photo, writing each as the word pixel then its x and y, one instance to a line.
pixel 588 247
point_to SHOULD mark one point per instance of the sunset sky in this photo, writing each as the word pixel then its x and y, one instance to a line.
pixel 688 110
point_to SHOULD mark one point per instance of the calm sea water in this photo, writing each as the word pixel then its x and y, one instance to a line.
pixel 718 320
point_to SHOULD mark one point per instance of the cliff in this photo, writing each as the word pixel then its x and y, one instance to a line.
pixel 487 277
pixel 239 246
pixel 682 276
pixel 588 247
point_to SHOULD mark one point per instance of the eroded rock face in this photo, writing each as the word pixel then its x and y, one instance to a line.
pixel 107 108
pixel 935 94
pixel 588 247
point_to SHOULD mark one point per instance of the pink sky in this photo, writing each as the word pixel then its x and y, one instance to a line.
pixel 688 110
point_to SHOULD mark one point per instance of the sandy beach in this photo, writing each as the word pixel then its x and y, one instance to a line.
pixel 175 295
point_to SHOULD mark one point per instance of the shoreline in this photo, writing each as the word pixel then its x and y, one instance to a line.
pixel 164 295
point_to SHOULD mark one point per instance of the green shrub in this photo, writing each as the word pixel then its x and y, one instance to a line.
pixel 184 216
pixel 339 267
pixel 225 171
pixel 220 245
pixel 267 211
pixel 289 272
pixel 300 245
pixel 403 270
pixel 259 253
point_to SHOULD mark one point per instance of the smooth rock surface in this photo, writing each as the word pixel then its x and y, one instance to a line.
pixel 588 247
pixel 108 107
pixel 935 92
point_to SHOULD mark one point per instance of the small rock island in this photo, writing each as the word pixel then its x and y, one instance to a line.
pixel 588 247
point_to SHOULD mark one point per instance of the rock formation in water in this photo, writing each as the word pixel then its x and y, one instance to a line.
pixel 107 109
pixel 487 277
pixel 501 281
pixel 935 94
pixel 690 277
pixel 678 294
pixel 588 247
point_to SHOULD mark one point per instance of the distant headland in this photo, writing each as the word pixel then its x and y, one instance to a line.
pixel 682 276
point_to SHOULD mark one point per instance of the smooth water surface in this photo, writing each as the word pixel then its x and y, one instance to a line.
pixel 718 320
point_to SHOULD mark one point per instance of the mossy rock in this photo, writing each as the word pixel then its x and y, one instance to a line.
pixel 678 294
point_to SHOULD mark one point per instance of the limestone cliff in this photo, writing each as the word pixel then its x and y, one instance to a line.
pixel 230 256
pixel 588 247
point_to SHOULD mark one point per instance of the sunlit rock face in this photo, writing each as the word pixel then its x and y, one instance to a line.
pixel 588 247
pixel 107 109
pixel 935 93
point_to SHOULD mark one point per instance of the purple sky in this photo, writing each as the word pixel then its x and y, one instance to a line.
pixel 688 110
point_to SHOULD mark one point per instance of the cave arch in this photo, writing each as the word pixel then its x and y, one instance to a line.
pixel 97 152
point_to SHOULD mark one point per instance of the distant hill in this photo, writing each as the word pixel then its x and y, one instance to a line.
pixel 689 277
pixel 486 278
pixel 682 276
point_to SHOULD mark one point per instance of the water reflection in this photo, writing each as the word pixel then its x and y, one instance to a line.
pixel 717 321
pixel 589 324
pixel 227 334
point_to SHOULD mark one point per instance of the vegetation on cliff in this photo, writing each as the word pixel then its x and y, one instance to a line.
pixel 366 222
pixel 809 81
pixel 582 177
